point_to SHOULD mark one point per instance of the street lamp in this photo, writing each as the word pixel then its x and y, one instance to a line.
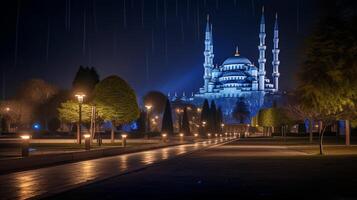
pixel 80 98
pixel 181 137
pixel 164 137
pixel 123 139
pixel 25 145
pixel 209 135
pixel 222 127
pixel 7 110
pixel 148 109
pixel 86 141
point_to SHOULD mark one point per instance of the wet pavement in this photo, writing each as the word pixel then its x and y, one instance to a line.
pixel 233 171
pixel 50 180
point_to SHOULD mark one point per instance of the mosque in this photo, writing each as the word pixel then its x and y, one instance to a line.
pixel 238 79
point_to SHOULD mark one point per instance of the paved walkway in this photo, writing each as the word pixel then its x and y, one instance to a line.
pixel 233 171
pixel 49 180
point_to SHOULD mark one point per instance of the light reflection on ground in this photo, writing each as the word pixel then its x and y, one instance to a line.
pixel 27 184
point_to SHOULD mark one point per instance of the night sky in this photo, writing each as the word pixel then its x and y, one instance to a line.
pixel 153 44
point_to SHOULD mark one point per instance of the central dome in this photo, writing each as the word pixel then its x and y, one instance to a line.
pixel 237 60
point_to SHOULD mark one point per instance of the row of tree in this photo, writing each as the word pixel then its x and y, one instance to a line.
pixel 39 101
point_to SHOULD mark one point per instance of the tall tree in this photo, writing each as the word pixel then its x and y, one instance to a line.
pixel 167 126
pixel 116 102
pixel 142 122
pixel 327 80
pixel 219 117
pixel 205 111
pixel 85 80
pixel 157 100
pixel 36 91
pixel 213 118
pixel 185 127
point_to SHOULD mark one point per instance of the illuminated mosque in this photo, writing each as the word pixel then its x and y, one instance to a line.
pixel 238 78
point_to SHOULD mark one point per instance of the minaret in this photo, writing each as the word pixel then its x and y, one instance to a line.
pixel 208 53
pixel 262 48
pixel 276 51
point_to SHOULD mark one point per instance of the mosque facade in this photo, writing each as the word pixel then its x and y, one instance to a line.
pixel 237 78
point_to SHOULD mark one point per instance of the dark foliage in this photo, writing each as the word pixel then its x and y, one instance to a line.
pixel 54 124
pixel 185 127
pixel 157 100
pixel 167 126
pixel 212 124
pixel 85 80
pixel 205 111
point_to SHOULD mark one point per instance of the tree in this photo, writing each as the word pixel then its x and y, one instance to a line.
pixel 205 114
pixel 116 102
pixel 205 111
pixel 85 80
pixel 167 126
pixel 241 111
pixel 327 80
pixel 185 127
pixel 18 113
pixel 36 91
pixel 54 124
pixel 273 117
pixel 69 112
pixel 49 109
pixel 142 122
pixel 157 100
pixel 219 117
pixel 212 124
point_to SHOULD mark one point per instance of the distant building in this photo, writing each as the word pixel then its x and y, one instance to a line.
pixel 238 79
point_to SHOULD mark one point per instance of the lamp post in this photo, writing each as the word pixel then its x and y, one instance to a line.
pixel 204 127
pixel 148 109
pixel 123 139
pixel 196 135
pixel 25 145
pixel 164 137
pixel 7 110
pixel 80 98
pixel 86 141
pixel 178 114
pixel 181 137
pixel 222 127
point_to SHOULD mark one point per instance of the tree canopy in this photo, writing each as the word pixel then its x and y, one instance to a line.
pixel 68 112
pixel 85 80
pixel 116 100
pixel 156 99
pixel 185 122
pixel 167 125
pixel 327 79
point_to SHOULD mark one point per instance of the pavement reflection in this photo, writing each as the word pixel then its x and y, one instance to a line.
pixel 43 181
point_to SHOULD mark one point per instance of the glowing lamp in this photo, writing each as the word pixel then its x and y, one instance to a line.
pixel 25 137
pixel 80 97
